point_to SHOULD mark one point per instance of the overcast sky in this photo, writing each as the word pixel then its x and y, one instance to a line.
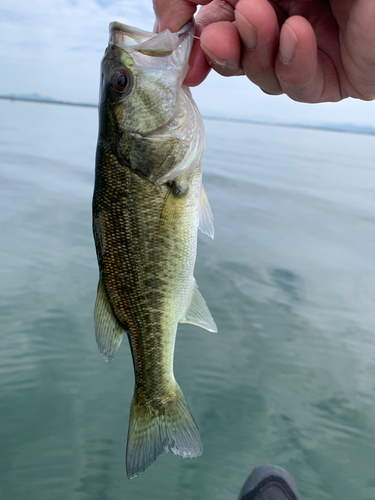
pixel 54 47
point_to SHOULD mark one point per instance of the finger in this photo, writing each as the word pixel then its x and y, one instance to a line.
pixel 211 12
pixel 198 65
pixel 258 26
pixel 222 45
pixel 173 14
pixel 357 47
pixel 305 74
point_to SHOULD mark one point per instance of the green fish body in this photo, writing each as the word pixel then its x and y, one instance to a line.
pixel 148 204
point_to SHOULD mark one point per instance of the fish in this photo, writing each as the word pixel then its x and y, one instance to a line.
pixel 148 203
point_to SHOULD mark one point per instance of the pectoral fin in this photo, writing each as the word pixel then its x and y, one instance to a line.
pixel 206 220
pixel 108 330
pixel 197 312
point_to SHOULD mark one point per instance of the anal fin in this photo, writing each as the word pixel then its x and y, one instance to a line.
pixel 108 330
pixel 197 312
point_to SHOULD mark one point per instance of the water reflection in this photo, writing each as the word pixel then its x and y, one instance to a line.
pixel 289 279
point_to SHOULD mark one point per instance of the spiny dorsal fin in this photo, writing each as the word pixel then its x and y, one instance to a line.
pixel 197 312
pixel 206 220
pixel 108 331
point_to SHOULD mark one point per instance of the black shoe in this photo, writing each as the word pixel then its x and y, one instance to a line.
pixel 269 482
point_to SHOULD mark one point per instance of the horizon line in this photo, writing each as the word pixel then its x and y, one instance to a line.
pixel 326 128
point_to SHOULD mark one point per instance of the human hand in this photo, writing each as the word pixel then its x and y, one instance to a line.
pixel 311 50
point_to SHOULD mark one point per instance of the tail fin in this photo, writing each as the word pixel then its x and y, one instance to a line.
pixel 163 428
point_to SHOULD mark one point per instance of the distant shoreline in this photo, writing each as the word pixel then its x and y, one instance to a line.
pixel 48 101
pixel 326 128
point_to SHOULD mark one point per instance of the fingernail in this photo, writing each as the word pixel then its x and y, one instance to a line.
pixel 213 58
pixel 248 34
pixel 288 44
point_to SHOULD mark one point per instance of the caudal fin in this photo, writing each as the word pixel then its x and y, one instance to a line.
pixel 167 427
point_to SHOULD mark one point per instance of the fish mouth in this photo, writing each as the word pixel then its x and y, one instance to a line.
pixel 154 44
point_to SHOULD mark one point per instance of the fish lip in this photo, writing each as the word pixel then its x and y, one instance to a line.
pixel 131 30
pixel 136 36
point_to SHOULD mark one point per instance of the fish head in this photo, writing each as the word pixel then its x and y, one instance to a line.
pixel 147 117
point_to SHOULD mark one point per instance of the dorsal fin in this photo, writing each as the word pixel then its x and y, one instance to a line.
pixel 206 219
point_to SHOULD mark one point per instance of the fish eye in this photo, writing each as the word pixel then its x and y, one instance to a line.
pixel 119 82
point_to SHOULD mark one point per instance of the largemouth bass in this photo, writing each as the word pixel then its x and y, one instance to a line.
pixel 148 203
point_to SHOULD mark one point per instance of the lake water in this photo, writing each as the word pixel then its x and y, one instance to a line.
pixel 289 379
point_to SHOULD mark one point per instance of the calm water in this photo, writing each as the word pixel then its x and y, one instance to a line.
pixel 290 280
